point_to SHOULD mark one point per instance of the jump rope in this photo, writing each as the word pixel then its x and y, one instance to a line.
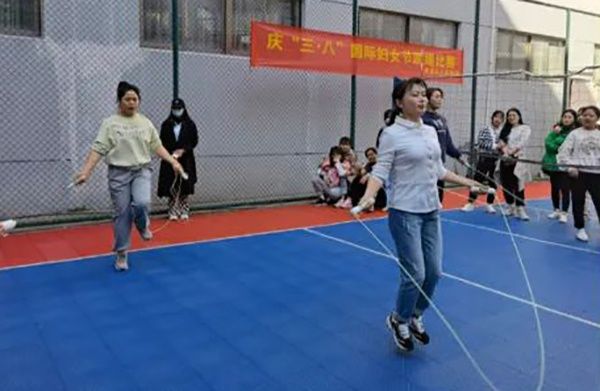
pixel 174 191
pixel 542 351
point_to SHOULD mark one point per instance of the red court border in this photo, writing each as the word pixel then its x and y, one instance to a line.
pixel 71 242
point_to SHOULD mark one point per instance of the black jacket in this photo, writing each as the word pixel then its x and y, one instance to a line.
pixel 188 139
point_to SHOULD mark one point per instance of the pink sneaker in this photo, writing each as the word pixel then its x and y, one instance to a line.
pixel 347 204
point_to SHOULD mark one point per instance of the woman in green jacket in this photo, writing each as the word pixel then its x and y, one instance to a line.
pixel 559 181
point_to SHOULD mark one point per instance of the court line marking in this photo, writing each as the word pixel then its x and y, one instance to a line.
pixel 285 230
pixel 525 237
pixel 465 281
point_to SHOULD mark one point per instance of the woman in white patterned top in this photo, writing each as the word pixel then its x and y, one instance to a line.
pixel 582 147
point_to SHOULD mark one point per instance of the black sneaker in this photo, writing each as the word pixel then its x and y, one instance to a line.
pixel 400 333
pixel 418 330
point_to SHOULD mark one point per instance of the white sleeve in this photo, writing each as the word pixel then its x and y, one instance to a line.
pixel 565 151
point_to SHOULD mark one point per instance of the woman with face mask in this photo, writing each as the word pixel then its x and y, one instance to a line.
pixel 179 136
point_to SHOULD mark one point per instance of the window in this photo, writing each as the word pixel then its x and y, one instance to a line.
pixel 398 27
pixel 21 17
pixel 217 26
pixel 532 53
pixel 432 32
pixel 382 25
pixel 597 62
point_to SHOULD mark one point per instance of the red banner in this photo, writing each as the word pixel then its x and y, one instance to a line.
pixel 295 48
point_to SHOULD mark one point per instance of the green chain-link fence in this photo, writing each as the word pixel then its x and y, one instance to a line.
pixel 262 132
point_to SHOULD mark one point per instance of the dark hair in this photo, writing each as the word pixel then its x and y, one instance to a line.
pixel 370 149
pixel 575 123
pixel 388 114
pixel 595 109
pixel 497 112
pixel 123 87
pixel 431 90
pixel 400 90
pixel 505 132
pixel 335 150
pixel 345 140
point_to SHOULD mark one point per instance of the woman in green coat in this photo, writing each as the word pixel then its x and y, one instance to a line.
pixel 559 180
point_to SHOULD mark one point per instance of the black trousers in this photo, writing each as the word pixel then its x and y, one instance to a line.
pixel 585 182
pixel 510 183
pixel 357 190
pixel 485 174
pixel 560 189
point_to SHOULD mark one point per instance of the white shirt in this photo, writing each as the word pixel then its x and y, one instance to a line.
pixel 410 160
pixel 177 131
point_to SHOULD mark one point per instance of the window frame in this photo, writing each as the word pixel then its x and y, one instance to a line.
pixel 408 18
pixel 38 33
pixel 228 29
pixel 530 38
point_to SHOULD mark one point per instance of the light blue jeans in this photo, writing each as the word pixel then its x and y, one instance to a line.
pixel 130 193
pixel 418 239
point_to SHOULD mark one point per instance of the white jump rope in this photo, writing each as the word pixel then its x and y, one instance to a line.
pixel 174 193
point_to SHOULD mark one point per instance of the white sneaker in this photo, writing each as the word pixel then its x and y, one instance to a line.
pixel 563 217
pixel 173 217
pixel 121 264
pixel 554 215
pixel 582 235
pixel 469 207
pixel 521 213
pixel 509 211
pixel 489 208
pixel 185 216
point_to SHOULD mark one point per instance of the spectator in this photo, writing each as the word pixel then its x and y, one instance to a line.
pixel 487 144
pixel 345 145
pixel 582 147
pixel 514 138
pixel 179 136
pixel 387 120
pixel 559 179
pixel 330 182
pixel 359 185
pixel 431 117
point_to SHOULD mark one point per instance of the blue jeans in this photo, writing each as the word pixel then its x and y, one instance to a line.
pixel 418 240
pixel 130 194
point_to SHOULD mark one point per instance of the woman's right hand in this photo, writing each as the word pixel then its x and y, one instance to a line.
pixel 573 172
pixel 81 177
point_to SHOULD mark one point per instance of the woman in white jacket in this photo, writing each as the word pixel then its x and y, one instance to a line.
pixel 514 138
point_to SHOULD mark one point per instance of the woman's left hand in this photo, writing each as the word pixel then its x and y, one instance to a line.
pixel 177 167
pixel 178 153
